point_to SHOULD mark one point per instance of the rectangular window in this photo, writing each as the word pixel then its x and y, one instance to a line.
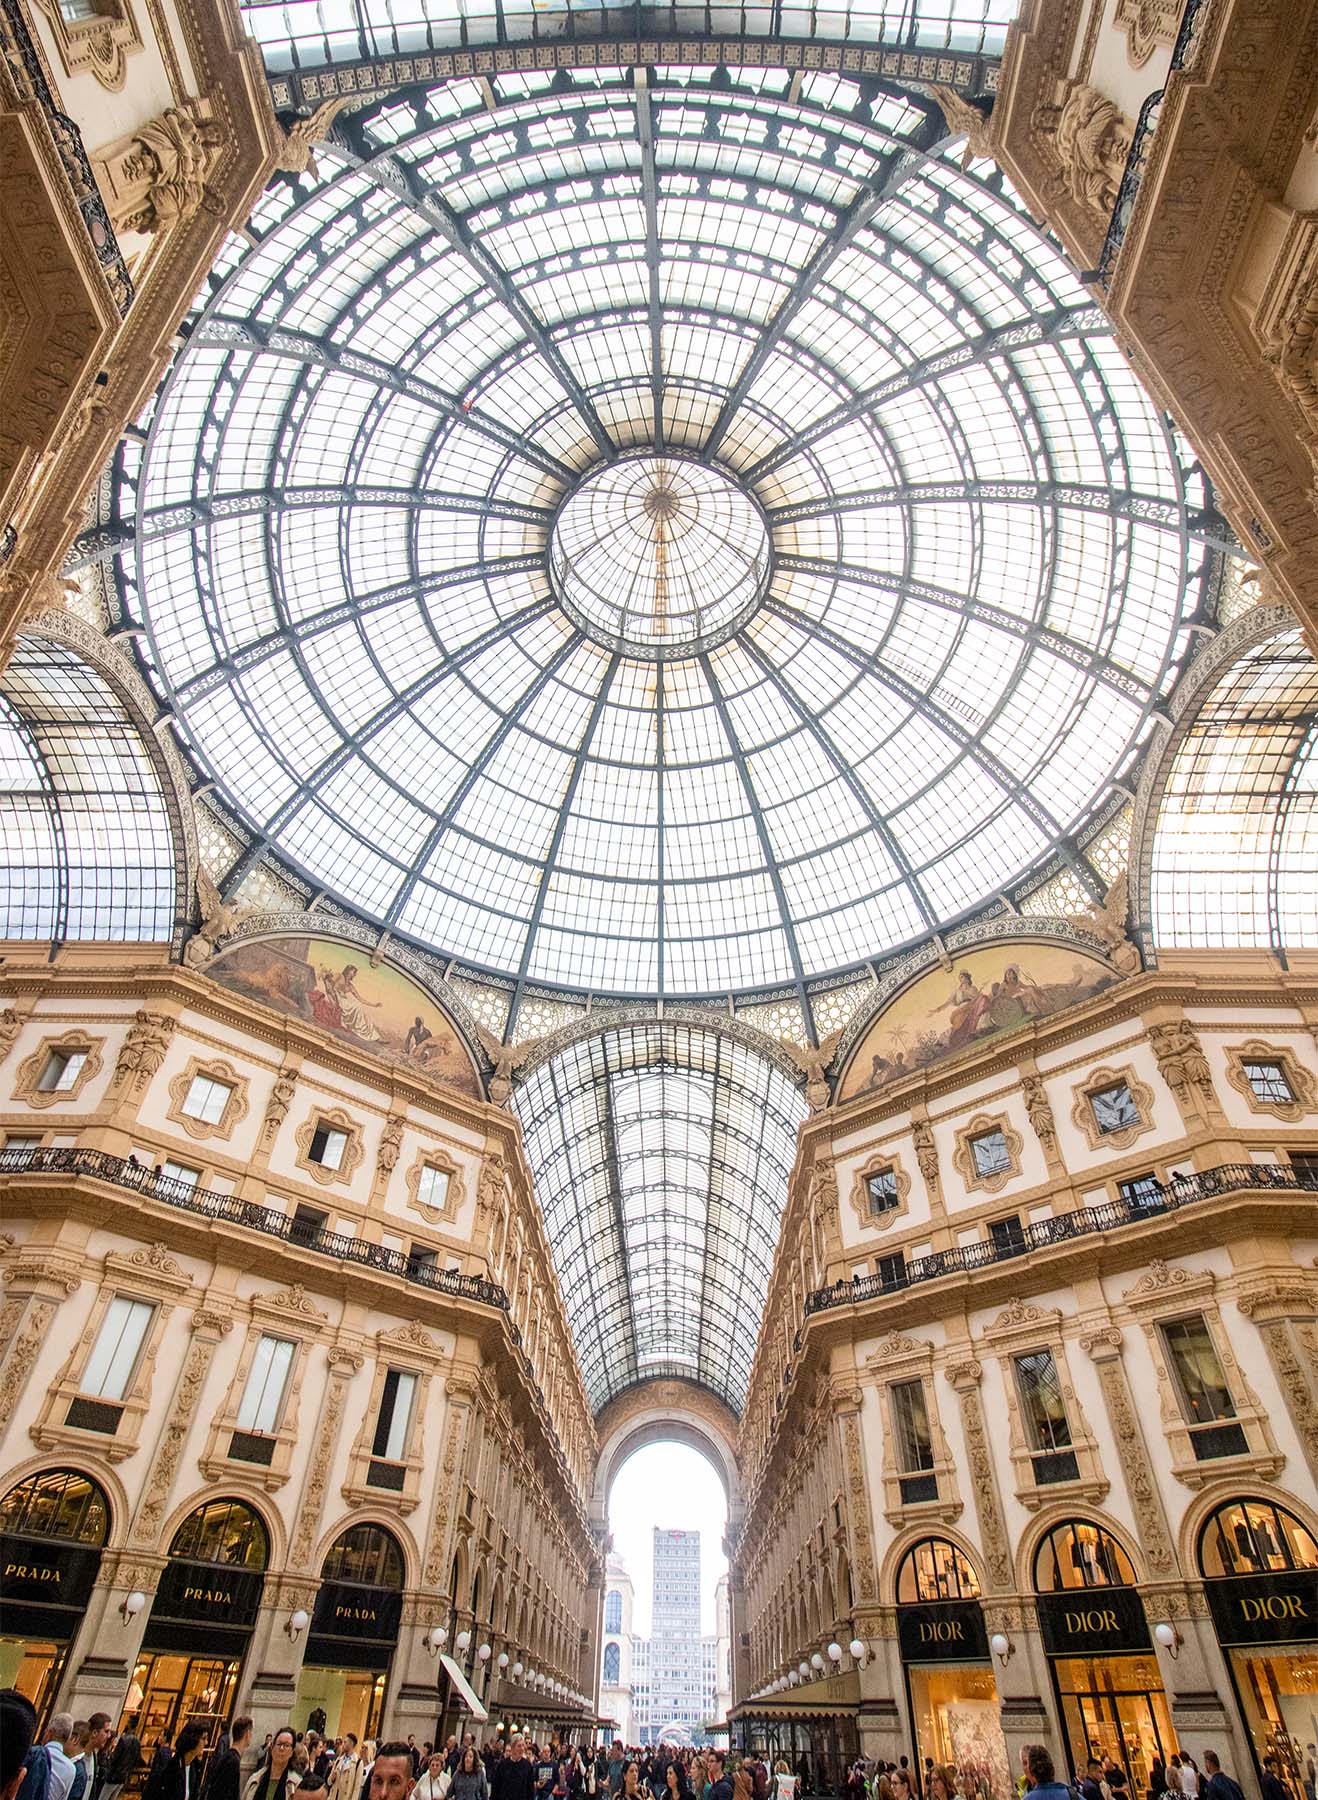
pixel 327 1146
pixel 61 1071
pixel 421 1256
pixel 1205 1397
pixel 1047 1430
pixel 881 1190
pixel 432 1187
pixel 910 1422
pixel 391 1426
pixel 989 1153
pixel 1141 1192
pixel 892 1269
pixel 207 1099
pixel 118 1345
pixel 180 1172
pixel 1268 1080
pixel 308 1224
pixel 1007 1235
pixel 18 1150
pixel 1304 1166
pixel 267 1380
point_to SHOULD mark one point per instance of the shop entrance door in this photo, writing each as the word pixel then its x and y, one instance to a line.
pixel 169 1691
pixel 1115 1706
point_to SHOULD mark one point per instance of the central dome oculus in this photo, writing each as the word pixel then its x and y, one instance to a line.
pixel 659 555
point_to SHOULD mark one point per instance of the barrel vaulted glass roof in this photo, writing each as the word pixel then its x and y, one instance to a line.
pixel 781 305
pixel 662 1153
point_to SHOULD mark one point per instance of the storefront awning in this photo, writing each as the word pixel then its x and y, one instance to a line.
pixel 466 1693
pixel 834 1697
pixel 534 1703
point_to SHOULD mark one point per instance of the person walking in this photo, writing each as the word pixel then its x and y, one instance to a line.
pixel 181 1775
pixel 1273 1787
pixel 123 1762
pixel 224 1780
pixel 468 1781
pixel 279 1777
pixel 786 1786
pixel 1220 1785
pixel 514 1778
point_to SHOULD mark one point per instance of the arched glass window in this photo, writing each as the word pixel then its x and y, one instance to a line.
pixel 612 1664
pixel 86 849
pixel 1077 1554
pixel 1254 1537
pixel 935 1570
pixel 613 1610
pixel 367 1554
pixel 224 1532
pixel 59 1503
pixel 1237 831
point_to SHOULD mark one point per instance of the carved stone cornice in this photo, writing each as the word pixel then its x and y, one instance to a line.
pixel 1277 1296
pixel 26 1276
pixel 1162 1283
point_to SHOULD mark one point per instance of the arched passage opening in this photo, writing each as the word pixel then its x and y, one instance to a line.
pixel 666 1490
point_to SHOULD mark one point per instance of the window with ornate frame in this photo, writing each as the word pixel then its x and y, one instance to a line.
pixel 1255 1537
pixel 1112 1108
pixel 1206 1442
pixel 58 1069
pixel 1271 1080
pixel 111 1420
pixel 207 1098
pixel 255 1430
pixel 919 1479
pixel 386 1462
pixel 435 1186
pixel 1080 1554
pixel 1054 1453
pixel 94 37
pixel 880 1193
pixel 988 1152
pixel 329 1132
pixel 935 1569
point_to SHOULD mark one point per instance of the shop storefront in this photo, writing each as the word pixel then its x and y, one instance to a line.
pixel 812 1728
pixel 53 1527
pixel 354 1633
pixel 951 1695
pixel 1260 1569
pixel 1096 1635
pixel 201 1622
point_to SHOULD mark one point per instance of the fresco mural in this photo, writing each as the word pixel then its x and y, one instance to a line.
pixel 333 985
pixel 985 993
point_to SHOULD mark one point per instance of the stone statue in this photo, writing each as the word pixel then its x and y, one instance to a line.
pixel 1041 1113
pixel 156 177
pixel 391 1143
pixel 965 119
pixel 1093 138
pixel 812 1060
pixel 1107 920
pixel 143 1049
pixel 219 919
pixel 506 1058
pixel 296 155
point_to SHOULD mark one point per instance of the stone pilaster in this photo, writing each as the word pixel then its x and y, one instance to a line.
pixel 207 1329
pixel 37 1286
pixel 343 1365
pixel 1284 1312
pixel 102 1655
pixel 1104 1346
pixel 274 1657
pixel 965 1378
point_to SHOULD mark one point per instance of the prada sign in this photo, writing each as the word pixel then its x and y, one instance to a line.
pixel 209 1592
pixel 1093 1621
pixel 943 1631
pixel 45 1584
pixel 1265 1609
pixel 354 1627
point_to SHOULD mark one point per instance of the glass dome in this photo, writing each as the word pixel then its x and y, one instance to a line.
pixel 669 531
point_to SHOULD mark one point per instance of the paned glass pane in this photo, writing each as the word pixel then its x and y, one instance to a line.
pixel 263 1397
pixel 114 1354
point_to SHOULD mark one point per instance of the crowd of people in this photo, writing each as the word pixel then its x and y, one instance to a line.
pixel 85 1760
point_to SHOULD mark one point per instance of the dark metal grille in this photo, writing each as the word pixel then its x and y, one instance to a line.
pixel 253 1447
pixel 93 1415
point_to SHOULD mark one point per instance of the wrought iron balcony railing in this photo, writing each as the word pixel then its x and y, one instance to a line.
pixel 204 1203
pixel 1155 1201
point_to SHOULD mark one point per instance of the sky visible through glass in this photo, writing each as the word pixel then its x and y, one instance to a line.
pixel 674 1487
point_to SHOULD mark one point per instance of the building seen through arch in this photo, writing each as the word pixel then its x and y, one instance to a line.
pixel 658 713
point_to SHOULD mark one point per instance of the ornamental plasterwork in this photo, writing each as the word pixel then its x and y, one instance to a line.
pixel 29 1070
pixel 1084 1119
pixel 98 46
pixel 963 1157
pixel 860 1198
pixel 1147 24
pixel 235 1107
pixel 332 1119
pixel 1302 1084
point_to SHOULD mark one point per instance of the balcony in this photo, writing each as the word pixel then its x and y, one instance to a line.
pixel 1086 1221
pixel 203 1203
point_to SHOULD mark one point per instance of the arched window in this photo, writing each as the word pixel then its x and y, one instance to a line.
pixel 1077 1554
pixel 612 1664
pixel 613 1610
pixel 59 1503
pixel 935 1570
pixel 367 1554
pixel 1254 1537
pixel 224 1532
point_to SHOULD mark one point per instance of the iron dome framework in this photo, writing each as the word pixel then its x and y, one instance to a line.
pixel 986 548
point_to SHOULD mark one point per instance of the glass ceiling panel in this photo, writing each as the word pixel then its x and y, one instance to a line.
pixel 1235 854
pixel 675 532
pixel 662 1154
